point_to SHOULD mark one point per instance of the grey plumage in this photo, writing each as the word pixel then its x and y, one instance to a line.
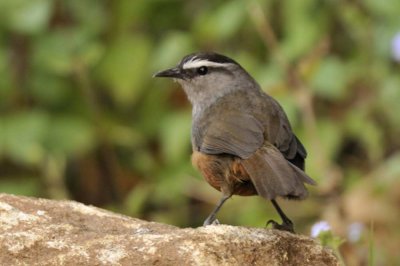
pixel 257 131
pixel 238 127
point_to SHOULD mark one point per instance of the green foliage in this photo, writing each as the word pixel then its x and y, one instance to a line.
pixel 23 135
pixel 212 25
pixel 323 83
pixel 125 68
pixel 330 240
pixel 78 106
pixel 25 16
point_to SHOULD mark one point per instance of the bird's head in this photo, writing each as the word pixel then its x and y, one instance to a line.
pixel 206 76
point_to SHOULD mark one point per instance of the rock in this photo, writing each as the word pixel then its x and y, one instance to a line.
pixel 48 232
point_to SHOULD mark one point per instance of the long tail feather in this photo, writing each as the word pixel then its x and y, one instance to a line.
pixel 272 175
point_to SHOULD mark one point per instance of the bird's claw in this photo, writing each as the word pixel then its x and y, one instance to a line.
pixel 288 226
pixel 211 221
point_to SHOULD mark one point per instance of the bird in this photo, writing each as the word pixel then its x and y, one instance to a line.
pixel 242 141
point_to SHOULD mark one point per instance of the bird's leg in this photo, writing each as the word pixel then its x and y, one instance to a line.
pixel 211 219
pixel 286 225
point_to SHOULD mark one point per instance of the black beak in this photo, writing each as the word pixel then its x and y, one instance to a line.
pixel 169 73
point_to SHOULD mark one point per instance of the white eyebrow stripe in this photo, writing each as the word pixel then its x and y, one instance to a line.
pixel 200 63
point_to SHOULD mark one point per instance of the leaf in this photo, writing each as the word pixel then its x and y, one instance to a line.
pixel 171 50
pixel 331 135
pixel 6 78
pixel 330 79
pixel 304 25
pixel 221 23
pixel 26 186
pixel 386 9
pixel 59 52
pixel 49 89
pixel 136 199
pixel 54 52
pixel 175 137
pixel 388 100
pixel 372 137
pixel 23 136
pixel 26 16
pixel 125 68
pixel 70 135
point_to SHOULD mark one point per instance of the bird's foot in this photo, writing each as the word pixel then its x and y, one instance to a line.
pixel 285 226
pixel 211 221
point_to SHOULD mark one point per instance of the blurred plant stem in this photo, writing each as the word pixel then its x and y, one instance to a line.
pixel 371 245
pixel 18 68
pixel 266 33
pixel 109 161
pixel 53 173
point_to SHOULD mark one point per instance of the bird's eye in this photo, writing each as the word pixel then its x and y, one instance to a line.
pixel 202 70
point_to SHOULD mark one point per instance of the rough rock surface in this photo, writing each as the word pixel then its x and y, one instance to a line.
pixel 47 232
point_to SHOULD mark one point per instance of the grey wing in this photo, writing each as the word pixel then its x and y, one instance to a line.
pixel 276 169
pixel 286 141
pixel 236 134
pixel 289 145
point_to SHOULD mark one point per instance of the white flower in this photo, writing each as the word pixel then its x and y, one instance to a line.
pixel 354 231
pixel 320 227
pixel 396 47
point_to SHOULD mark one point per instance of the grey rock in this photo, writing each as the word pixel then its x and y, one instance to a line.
pixel 48 232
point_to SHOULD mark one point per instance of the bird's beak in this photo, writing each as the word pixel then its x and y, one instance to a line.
pixel 169 73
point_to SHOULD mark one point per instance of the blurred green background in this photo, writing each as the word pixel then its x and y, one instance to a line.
pixel 81 118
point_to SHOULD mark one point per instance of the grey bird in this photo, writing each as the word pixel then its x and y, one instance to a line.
pixel 242 140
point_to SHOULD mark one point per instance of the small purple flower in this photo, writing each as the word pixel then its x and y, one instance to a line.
pixel 320 227
pixel 396 47
pixel 354 231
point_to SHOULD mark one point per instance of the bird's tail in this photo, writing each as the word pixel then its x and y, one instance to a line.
pixel 272 175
